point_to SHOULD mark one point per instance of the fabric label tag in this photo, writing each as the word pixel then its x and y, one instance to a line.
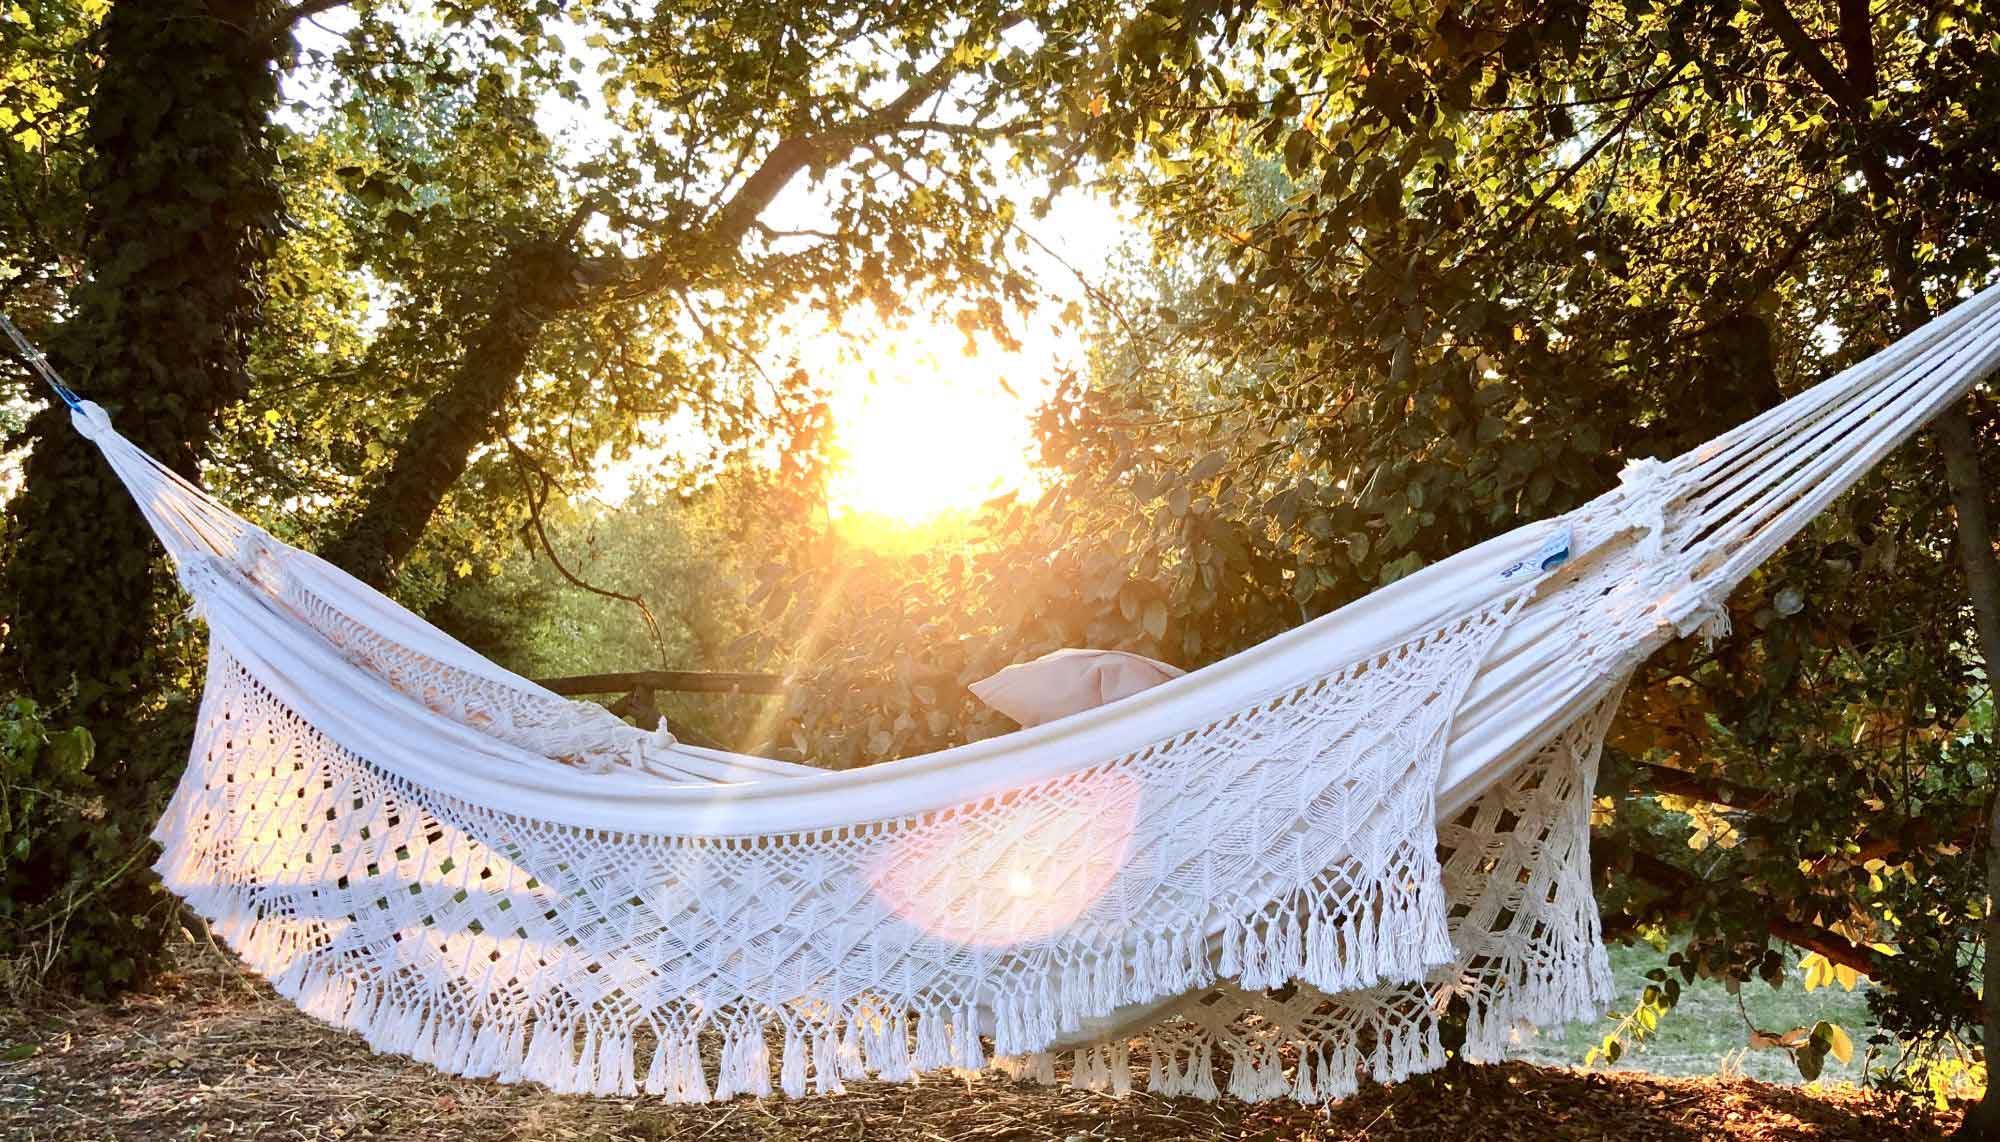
pixel 1553 553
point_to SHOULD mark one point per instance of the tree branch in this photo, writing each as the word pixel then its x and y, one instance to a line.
pixel 536 500
pixel 1678 883
pixel 736 217
pixel 971 130
pixel 1632 113
pixel 286 18
pixel 1857 39
pixel 1716 791
pixel 1805 51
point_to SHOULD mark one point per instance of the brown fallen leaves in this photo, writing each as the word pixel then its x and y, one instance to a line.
pixel 216 1055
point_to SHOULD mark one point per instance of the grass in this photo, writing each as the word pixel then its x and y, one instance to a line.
pixel 1708 1034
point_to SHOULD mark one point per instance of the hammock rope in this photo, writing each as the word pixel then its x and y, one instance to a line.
pixel 1267 877
pixel 39 365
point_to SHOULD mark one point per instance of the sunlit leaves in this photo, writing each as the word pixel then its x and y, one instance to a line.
pixel 1816 971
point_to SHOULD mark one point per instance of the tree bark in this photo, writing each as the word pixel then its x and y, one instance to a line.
pixel 184 210
pixel 532 285
pixel 1982 577
pixel 1959 445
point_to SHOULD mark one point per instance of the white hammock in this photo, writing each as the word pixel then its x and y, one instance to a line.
pixel 1279 869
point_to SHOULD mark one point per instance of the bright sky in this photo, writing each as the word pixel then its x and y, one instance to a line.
pixel 920 426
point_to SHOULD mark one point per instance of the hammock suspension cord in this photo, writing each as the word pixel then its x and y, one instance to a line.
pixel 39 363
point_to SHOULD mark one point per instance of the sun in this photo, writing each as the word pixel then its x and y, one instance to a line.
pixel 921 428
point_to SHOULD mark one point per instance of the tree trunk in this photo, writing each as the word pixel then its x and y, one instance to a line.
pixel 184 211
pixel 532 284
pixel 1982 576
pixel 1849 91
pixel 1959 444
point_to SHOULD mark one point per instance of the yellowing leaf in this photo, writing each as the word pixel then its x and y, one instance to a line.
pixel 1838 1044
pixel 1817 970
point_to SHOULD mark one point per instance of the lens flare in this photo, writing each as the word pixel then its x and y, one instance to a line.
pixel 1027 868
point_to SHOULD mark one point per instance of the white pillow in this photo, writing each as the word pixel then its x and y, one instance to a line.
pixel 1068 681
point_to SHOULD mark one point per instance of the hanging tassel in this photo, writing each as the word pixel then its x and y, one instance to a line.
pixel 1251 976
pixel 583 1079
pixel 483 1058
pixel 889 1049
pixel 614 1064
pixel 513 1056
pixel 659 1080
pixel 1108 987
pixel 826 1063
pixel 1079 1070
pixel 756 1067
pixel 1303 1091
pixel 1716 627
pixel 1043 1064
pixel 933 1050
pixel 1204 1075
pixel 849 1057
pixel 792 1074
pixel 1175 1080
pixel 450 1046
pixel 693 1081
pixel 729 1074
pixel 1240 1085
pixel 966 1051
pixel 1289 957
pixel 1232 949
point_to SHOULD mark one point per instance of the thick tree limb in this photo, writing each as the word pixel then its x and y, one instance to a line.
pixel 1678 884
pixel 791 156
pixel 1714 790
pixel 1805 52
pixel 1857 39
pixel 290 16
pixel 1953 428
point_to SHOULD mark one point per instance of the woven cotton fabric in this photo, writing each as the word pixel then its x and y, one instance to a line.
pixel 1269 877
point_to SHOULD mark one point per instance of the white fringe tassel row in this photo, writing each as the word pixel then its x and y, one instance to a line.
pixel 683 1056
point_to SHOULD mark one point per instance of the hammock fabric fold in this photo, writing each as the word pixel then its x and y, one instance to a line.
pixel 1270 877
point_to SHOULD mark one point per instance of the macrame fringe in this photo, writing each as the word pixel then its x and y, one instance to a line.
pixel 1396 939
pixel 576 1053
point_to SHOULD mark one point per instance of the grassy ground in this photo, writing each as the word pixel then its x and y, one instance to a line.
pixel 1707 1033
pixel 214 1054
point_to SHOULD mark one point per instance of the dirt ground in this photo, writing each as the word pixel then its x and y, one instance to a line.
pixel 214 1054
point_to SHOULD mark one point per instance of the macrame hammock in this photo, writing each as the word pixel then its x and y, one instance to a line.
pixel 1275 876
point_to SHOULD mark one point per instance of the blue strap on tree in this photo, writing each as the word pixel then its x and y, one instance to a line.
pixel 40 365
